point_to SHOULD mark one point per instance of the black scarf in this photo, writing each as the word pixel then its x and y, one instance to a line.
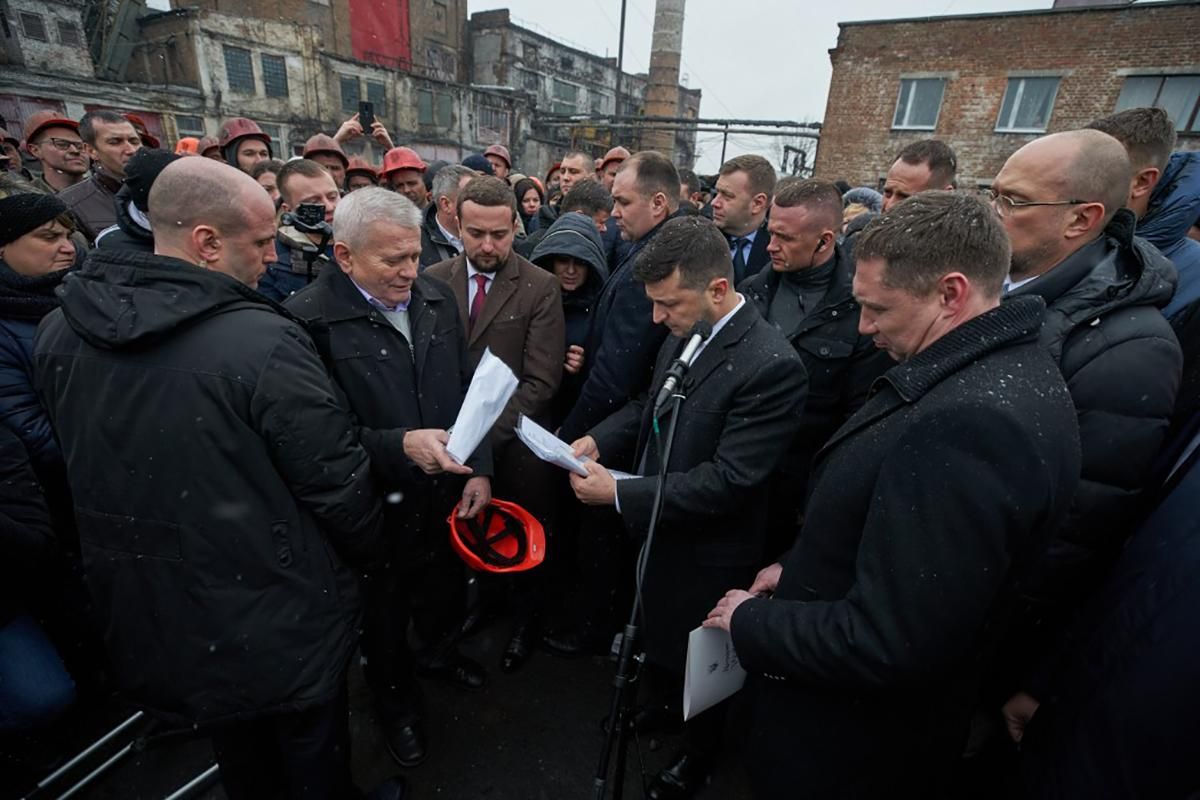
pixel 23 297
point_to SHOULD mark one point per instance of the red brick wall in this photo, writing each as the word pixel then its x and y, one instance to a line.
pixel 1088 47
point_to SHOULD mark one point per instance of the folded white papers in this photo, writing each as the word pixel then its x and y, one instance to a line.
pixel 491 388
pixel 548 447
pixel 712 672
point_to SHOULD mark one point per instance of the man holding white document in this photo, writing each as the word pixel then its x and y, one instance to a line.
pixel 745 391
pixel 392 341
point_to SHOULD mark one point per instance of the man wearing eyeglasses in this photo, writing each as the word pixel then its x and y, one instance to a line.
pixel 1060 199
pixel 54 140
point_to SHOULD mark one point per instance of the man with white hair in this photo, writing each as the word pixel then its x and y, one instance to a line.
pixel 394 343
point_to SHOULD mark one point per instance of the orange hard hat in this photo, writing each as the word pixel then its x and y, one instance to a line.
pixel 240 128
pixel 359 165
pixel 617 153
pixel 40 120
pixel 399 158
pixel 324 143
pixel 188 145
pixel 502 538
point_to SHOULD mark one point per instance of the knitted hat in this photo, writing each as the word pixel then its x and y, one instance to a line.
pixel 479 164
pixel 22 213
pixel 141 170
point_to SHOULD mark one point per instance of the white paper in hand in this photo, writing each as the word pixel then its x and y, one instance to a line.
pixel 491 388
pixel 548 447
pixel 713 671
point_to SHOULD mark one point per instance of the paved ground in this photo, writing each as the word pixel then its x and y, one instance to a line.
pixel 534 735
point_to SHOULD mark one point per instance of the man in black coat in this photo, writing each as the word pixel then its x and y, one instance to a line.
pixel 393 343
pixel 440 236
pixel 218 487
pixel 927 507
pixel 740 204
pixel 1060 199
pixel 745 390
pixel 805 293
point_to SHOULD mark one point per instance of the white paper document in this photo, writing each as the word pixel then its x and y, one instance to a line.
pixel 491 388
pixel 548 447
pixel 712 673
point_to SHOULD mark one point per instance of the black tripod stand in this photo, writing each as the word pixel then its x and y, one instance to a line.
pixel 620 714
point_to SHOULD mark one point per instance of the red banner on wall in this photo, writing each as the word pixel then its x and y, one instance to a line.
pixel 379 32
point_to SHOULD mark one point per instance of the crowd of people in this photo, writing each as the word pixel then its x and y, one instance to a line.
pixel 932 469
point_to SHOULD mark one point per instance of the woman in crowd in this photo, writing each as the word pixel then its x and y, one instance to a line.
pixel 529 200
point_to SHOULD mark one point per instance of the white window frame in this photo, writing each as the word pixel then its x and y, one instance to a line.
pixel 1016 105
pixel 906 126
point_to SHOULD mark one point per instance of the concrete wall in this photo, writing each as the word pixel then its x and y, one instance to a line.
pixel 330 17
pixel 50 56
pixel 1093 50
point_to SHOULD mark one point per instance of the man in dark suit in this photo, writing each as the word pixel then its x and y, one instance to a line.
pixel 805 292
pixel 928 508
pixel 513 308
pixel 392 341
pixel 745 186
pixel 745 391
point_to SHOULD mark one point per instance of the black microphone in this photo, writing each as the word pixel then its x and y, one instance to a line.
pixel 700 333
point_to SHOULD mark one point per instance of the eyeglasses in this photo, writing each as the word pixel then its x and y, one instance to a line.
pixel 1005 205
pixel 64 144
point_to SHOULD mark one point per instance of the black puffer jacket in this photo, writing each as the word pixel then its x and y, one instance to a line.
pixel 128 233
pixel 218 487
pixel 1122 365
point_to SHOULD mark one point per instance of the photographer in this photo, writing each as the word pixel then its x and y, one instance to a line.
pixel 303 244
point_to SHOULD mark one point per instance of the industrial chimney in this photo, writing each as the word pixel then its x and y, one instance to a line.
pixel 662 90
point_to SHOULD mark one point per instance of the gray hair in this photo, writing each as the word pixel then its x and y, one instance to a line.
pixel 358 211
pixel 445 183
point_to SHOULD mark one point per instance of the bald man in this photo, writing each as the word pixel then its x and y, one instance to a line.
pixel 219 491
pixel 1060 199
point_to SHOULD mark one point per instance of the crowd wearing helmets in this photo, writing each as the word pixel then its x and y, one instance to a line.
pixel 921 462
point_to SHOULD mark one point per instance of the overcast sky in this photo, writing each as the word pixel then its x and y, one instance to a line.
pixel 769 61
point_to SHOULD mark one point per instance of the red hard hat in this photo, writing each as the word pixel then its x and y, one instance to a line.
pixel 40 120
pixel 139 125
pixel 502 538
pixel 359 165
pixel 207 143
pixel 239 128
pixel 617 153
pixel 501 151
pixel 555 167
pixel 399 158
pixel 324 143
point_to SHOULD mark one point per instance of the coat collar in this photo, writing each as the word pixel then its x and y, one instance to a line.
pixel 504 285
pixel 344 300
pixel 761 289
pixel 1012 321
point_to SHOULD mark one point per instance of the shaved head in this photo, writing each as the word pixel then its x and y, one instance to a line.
pixel 208 213
pixel 1086 165
pixel 200 191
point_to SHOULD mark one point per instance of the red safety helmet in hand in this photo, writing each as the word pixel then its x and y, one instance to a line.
pixel 502 538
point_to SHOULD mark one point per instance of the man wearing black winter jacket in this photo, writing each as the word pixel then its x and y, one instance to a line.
pixel 1060 199
pixel 218 487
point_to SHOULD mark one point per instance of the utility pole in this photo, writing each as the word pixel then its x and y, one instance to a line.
pixel 620 63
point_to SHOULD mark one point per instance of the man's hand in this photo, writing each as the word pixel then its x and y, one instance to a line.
pixel 379 134
pixel 475 497
pixel 427 449
pixel 350 129
pixel 574 361
pixel 722 615
pixel 599 488
pixel 766 580
pixel 1017 712
pixel 586 448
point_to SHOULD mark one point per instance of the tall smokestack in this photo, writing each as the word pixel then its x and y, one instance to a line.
pixel 662 89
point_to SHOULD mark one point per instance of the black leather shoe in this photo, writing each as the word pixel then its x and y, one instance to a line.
pixel 391 789
pixel 456 670
pixel 406 743
pixel 519 648
pixel 682 779
pixel 574 643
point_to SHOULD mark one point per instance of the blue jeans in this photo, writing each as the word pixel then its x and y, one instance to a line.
pixel 34 685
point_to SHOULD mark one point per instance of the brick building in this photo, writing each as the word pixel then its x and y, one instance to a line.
pixel 989 83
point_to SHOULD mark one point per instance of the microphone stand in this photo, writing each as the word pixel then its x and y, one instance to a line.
pixel 620 713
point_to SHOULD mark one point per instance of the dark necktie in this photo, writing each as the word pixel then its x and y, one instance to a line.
pixel 739 260
pixel 481 283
